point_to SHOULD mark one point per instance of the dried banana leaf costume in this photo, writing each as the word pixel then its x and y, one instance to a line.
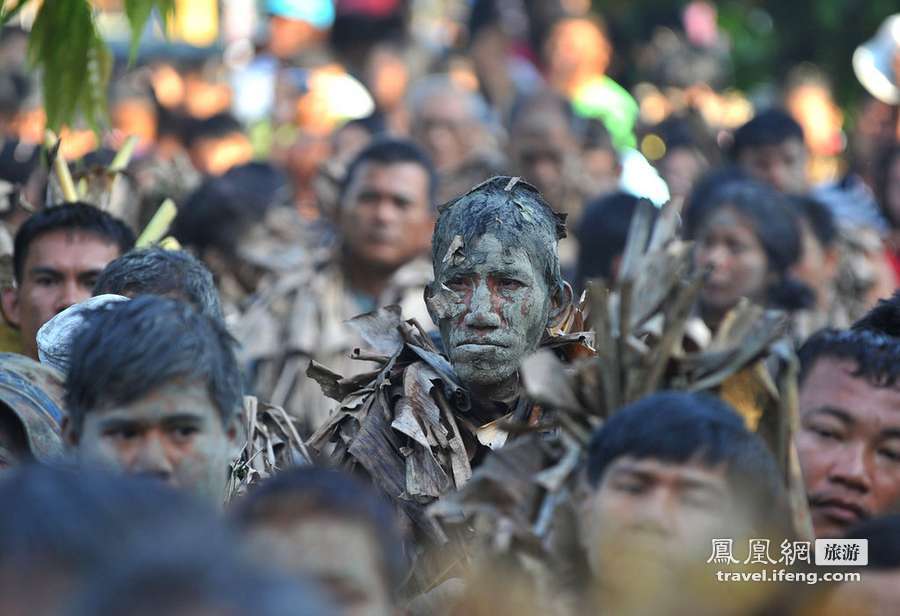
pixel 413 426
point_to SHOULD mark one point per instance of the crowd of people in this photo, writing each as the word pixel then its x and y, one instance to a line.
pixel 377 361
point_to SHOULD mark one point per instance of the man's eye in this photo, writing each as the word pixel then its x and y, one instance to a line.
pixel 44 281
pixel 509 284
pixel 122 434
pixel 367 198
pixel 185 432
pixel 826 433
pixel 457 283
pixel 891 454
pixel 700 500
pixel 89 283
pixel 630 486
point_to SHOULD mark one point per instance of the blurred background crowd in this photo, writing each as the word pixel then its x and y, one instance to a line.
pixel 307 145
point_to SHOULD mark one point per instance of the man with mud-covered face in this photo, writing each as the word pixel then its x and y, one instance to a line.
pixel 497 283
pixel 422 423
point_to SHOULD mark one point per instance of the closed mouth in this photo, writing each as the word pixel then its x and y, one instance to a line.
pixel 839 511
pixel 481 343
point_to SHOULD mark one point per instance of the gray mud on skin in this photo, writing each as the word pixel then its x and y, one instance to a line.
pixel 496 283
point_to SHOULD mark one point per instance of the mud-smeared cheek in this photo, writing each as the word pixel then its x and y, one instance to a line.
pixel 447 304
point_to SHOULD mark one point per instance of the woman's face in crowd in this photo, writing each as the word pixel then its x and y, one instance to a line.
pixel 727 245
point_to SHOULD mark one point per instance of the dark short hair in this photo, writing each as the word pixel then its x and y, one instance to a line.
pixel 680 427
pixel 602 233
pixel 298 492
pixel 128 349
pixel 70 217
pixel 217 213
pixel 883 318
pixel 775 225
pixel 392 151
pixel 876 355
pixel 217 126
pixel 818 217
pixel 883 534
pixel 156 271
pixel 708 184
pixel 770 127
pixel 515 212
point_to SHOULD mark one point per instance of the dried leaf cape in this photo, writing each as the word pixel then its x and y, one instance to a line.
pixel 272 444
pixel 409 424
pixel 302 316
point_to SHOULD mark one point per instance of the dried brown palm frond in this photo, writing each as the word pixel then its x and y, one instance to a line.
pixel 273 444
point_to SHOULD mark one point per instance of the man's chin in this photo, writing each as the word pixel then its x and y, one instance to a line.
pixel 825 528
pixel 482 374
pixel 381 256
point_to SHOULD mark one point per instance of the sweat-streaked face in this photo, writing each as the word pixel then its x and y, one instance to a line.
pixel 173 433
pixel 848 445
pixel 492 307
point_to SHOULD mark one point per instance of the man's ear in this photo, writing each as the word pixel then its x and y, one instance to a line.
pixel 427 294
pixel 9 302
pixel 559 304
pixel 70 435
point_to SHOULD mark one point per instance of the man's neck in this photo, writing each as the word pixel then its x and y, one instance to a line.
pixel 489 403
pixel 365 279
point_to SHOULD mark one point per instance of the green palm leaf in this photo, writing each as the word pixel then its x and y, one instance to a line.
pixel 74 60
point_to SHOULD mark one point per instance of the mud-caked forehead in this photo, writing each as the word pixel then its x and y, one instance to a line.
pixel 512 211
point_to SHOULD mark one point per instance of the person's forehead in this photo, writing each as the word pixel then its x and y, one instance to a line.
pixel 792 145
pixel 727 218
pixel 320 544
pixel 490 252
pixel 175 397
pixel 692 471
pixel 71 248
pixel 831 383
pixel 402 176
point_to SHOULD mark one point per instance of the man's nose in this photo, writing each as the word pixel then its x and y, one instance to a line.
pixel 656 515
pixel 714 257
pixel 850 469
pixel 481 314
pixel 777 176
pixel 72 293
pixel 151 459
pixel 385 212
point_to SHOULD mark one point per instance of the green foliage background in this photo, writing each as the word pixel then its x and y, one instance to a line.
pixel 74 61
